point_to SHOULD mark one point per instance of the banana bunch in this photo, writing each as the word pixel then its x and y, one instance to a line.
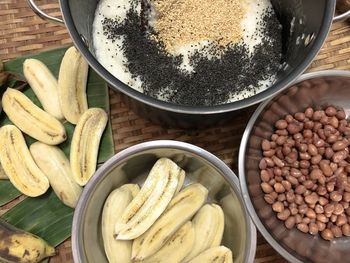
pixel 22 247
pixel 85 144
pixel 32 120
pixel 153 198
pixel 117 251
pixel 181 209
pixel 18 163
pixel 162 223
pixel 219 254
pixel 55 165
pixel 209 228
pixel 44 85
pixel 72 85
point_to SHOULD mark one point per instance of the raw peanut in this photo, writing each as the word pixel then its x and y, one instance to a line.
pixel 346 230
pixel 279 188
pixel 267 189
pixel 323 201
pixel 313 228
pixel 338 209
pixel 319 209
pixel 300 189
pixel 341 220
pixel 321 226
pixel 303 209
pixel 265 176
pixel 281 197
pixel 265 145
pixel 339 145
pixel 278 207
pixel 284 214
pixel 278 161
pixel 336 230
pixel 329 208
pixel 322 218
pixel 262 164
pixel 281 124
pixel 312 149
pixel 303 227
pixel 331 111
pixel 290 222
pixel 269 199
pixel 327 234
pixel 315 174
pixel 311 213
pixel 269 153
pixel 336 196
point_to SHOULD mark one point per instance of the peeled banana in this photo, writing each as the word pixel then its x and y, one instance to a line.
pixel 3 175
pixel 117 251
pixel 176 248
pixel 85 144
pixel 32 120
pixel 183 206
pixel 22 247
pixel 72 81
pixel 152 200
pixel 181 181
pixel 55 165
pixel 44 85
pixel 219 254
pixel 18 163
pixel 208 225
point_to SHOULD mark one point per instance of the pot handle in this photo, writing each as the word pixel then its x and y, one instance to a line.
pixel 337 18
pixel 43 15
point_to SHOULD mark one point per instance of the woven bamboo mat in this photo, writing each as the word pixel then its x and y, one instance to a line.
pixel 21 32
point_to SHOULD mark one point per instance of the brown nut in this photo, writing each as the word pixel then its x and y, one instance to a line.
pixel 321 190
pixel 336 196
pixel 311 213
pixel 313 228
pixel 329 208
pixel 290 222
pixel 303 227
pixel 346 230
pixel 323 201
pixel 339 156
pixel 303 209
pixel 331 111
pixel 269 198
pixel 315 174
pixel 341 220
pixel 322 218
pixel 341 114
pixel 299 200
pixel 269 153
pixel 327 234
pixel 267 189
pixel 316 159
pixel 333 218
pixel 269 162
pixel 264 176
pixel 281 124
pixel 309 112
pixel 308 184
pixel 329 153
pixel 321 226
pixel 304 164
pixel 319 209
pixel 278 207
pixel 283 215
pixel 312 149
pixel 292 180
pixel 281 197
pixel 295 172
pixel 336 230
pixel 304 156
pixel 339 145
pixel 287 185
pixel 265 145
pixel 300 189
pixel 279 188
pixel 277 161
pixel 338 209
pixel 346 197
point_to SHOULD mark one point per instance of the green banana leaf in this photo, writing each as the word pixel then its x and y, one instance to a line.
pixel 46 216
pixel 97 93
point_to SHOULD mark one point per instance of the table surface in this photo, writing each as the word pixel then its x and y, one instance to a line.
pixel 21 32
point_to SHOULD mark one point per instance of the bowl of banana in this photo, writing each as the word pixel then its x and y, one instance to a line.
pixel 163 201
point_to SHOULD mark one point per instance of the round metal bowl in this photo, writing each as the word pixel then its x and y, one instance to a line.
pixel 133 165
pixel 314 89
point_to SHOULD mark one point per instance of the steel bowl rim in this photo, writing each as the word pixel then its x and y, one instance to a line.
pixel 116 84
pixel 114 161
pixel 241 159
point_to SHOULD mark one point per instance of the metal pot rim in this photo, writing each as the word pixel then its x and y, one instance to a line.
pixel 228 174
pixel 241 162
pixel 198 110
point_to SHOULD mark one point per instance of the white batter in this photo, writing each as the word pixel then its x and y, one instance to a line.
pixel 111 56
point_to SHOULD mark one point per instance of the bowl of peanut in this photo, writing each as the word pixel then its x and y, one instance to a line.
pixel 294 168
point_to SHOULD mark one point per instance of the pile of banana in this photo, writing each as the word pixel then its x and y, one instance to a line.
pixel 33 170
pixel 162 221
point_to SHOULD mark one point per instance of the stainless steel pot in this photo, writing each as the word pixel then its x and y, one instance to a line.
pixel 312 21
pixel 132 165
pixel 316 89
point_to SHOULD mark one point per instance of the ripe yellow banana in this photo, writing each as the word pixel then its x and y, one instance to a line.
pixel 55 165
pixel 208 225
pixel 183 206
pixel 22 247
pixel 214 255
pixel 44 85
pixel 3 175
pixel 85 144
pixel 72 81
pixel 176 248
pixel 18 163
pixel 32 120
pixel 152 200
pixel 117 251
